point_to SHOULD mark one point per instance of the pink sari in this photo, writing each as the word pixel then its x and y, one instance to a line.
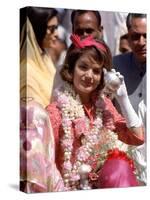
pixel 38 172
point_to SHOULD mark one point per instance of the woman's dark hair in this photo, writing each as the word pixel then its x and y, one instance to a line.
pixel 39 18
pixel 74 53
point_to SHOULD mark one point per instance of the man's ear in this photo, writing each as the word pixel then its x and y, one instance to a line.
pixel 128 37
pixel 101 28
pixel 101 31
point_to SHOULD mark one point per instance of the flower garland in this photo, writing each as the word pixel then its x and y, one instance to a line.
pixel 73 114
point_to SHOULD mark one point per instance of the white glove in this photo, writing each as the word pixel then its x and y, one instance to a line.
pixel 114 83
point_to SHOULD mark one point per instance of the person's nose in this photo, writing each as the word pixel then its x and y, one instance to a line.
pixel 89 74
pixel 85 33
pixel 142 40
pixel 55 34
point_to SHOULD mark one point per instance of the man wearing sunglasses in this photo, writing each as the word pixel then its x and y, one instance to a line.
pixel 132 66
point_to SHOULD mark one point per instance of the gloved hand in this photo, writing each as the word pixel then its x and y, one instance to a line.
pixel 115 85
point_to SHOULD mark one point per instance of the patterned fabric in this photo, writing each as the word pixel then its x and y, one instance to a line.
pixel 37 151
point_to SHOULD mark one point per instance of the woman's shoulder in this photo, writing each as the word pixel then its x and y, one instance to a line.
pixel 55 118
pixel 53 108
pixel 54 113
pixel 53 105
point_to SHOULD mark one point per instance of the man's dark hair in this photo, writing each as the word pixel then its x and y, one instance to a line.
pixel 76 13
pixel 131 16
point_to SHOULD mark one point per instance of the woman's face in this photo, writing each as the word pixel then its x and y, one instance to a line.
pixel 51 33
pixel 87 75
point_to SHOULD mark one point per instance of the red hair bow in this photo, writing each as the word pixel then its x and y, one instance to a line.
pixel 88 41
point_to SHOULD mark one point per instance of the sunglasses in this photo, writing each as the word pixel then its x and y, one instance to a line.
pixel 52 28
pixel 137 36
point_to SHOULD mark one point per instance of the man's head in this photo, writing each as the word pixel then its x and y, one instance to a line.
pixel 86 22
pixel 137 25
pixel 124 46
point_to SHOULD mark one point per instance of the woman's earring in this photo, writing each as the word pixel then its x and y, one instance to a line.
pixel 48 31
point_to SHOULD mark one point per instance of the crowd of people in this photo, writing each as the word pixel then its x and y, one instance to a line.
pixel 82 110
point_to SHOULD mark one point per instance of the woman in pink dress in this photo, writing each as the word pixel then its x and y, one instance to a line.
pixel 87 126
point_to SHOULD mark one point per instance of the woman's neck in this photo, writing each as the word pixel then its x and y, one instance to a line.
pixel 85 99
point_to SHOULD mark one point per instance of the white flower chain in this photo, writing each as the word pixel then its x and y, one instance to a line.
pixel 71 107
